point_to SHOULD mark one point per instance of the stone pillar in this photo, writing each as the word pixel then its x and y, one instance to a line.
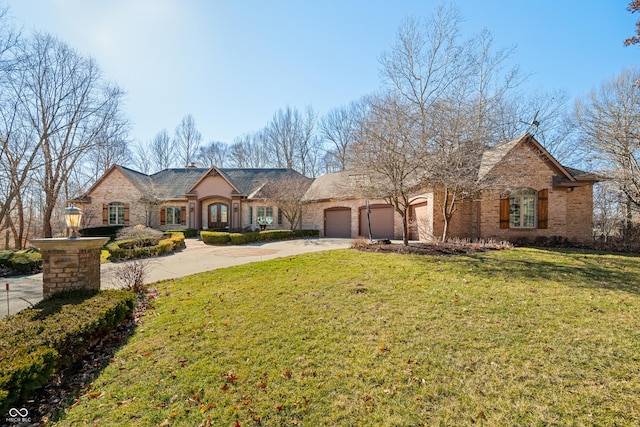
pixel 70 263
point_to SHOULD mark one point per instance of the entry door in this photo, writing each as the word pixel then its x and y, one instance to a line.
pixel 218 216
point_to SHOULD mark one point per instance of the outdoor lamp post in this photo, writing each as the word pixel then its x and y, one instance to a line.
pixel 72 217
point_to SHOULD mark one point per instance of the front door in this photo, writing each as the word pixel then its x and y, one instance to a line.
pixel 218 216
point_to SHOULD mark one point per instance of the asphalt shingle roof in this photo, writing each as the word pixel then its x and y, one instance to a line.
pixel 250 181
pixel 174 183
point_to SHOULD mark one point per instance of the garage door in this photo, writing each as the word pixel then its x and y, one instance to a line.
pixel 337 222
pixel 381 217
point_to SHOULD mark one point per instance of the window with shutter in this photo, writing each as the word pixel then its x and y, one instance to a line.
pixel 504 213
pixel 522 208
pixel 543 208
pixel 525 208
pixel 173 216
pixel 117 213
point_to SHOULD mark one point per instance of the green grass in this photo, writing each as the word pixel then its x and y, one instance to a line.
pixel 343 338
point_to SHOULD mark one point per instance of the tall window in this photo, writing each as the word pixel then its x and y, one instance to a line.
pixel 522 208
pixel 116 213
pixel 173 216
pixel 265 215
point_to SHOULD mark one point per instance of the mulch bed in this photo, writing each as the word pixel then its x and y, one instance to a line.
pixel 436 248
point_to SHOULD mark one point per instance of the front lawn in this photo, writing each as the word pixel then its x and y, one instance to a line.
pixel 503 338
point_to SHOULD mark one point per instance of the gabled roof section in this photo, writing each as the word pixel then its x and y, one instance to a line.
pixel 341 185
pixel 205 173
pixel 492 156
pixel 174 183
pixel 250 181
pixel 138 179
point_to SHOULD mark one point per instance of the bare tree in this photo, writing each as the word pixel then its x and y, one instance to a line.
pixel 19 157
pixel 391 155
pixel 161 153
pixel 547 115
pixel 140 156
pixel 108 152
pixel 609 118
pixel 13 172
pixel 250 150
pixel 216 153
pixel 608 212
pixel 68 106
pixel 634 6
pixel 425 61
pixel 291 136
pixel 341 127
pixel 188 139
pixel 150 202
pixel 457 94
pixel 287 194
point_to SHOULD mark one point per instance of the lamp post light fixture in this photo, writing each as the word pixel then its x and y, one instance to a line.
pixel 73 216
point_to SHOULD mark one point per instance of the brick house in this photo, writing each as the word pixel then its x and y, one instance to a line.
pixel 532 196
pixel 538 197
pixel 214 198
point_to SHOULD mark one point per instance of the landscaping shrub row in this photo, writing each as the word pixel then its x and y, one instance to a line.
pixel 109 231
pixel 53 334
pixel 133 248
pixel 188 232
pixel 28 261
pixel 223 238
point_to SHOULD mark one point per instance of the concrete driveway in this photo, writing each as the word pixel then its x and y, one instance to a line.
pixel 195 258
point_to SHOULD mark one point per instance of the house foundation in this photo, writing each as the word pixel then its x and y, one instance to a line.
pixel 70 263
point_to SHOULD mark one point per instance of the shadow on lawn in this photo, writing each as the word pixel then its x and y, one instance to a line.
pixel 573 267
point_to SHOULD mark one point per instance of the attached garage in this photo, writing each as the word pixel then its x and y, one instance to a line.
pixel 337 222
pixel 381 217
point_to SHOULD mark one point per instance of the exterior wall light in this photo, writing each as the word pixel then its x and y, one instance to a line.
pixel 73 216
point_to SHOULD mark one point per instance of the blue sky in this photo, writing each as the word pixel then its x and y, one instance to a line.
pixel 232 64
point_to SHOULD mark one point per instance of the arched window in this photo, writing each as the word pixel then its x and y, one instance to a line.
pixel 522 208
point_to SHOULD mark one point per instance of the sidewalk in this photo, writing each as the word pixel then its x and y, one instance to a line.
pixel 195 258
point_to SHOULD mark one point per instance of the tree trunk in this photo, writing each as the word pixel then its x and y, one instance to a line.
pixel 46 221
pixel 445 229
pixel 16 242
pixel 19 236
pixel 405 228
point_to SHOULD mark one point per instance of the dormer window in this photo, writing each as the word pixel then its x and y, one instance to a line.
pixel 359 180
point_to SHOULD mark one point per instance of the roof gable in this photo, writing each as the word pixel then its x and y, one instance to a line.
pixel 176 183
pixel 341 185
pixel 495 155
pixel 137 179
pixel 249 182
